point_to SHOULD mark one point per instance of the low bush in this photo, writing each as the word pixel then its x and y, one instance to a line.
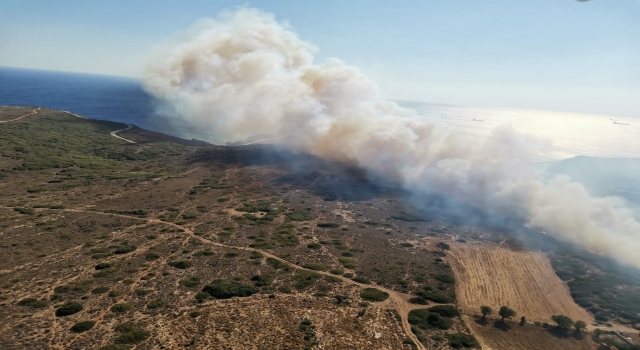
pixel 205 252
pixel 337 272
pixel 82 326
pixel 121 308
pixel 100 290
pixel 462 340
pixel 224 289
pixel 445 310
pixel 419 301
pixel 304 279
pixel 190 282
pixel 315 266
pixel 262 280
pixel 373 294
pixel 361 279
pixel 103 265
pixel 69 308
pixel 124 249
pixel 424 319
pixel 151 256
pixel 181 264
pixel 133 337
pixel 328 225
pixel 444 278
pixel 349 263
pixel 155 304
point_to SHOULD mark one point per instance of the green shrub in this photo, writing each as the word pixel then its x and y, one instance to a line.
pixel 275 263
pixel 328 225
pixel 406 245
pixel 27 301
pixel 231 254
pixel 304 279
pixel 284 289
pixel 158 303
pixel 314 245
pixel 419 301
pixel 133 337
pixel 445 310
pixel 337 272
pixel 82 326
pixel 264 279
pixel 315 266
pixel 121 308
pixel 100 290
pixel 190 282
pixel 373 294
pixel 424 319
pixel 142 292
pixel 26 211
pixel 332 279
pixel 151 256
pixel 195 314
pixel 256 255
pixel 300 215
pixel 444 278
pixel 462 340
pixel 181 264
pixel 349 263
pixel 103 265
pixel 361 279
pixel 435 297
pixel 202 296
pixel 69 308
pixel 205 252
pixel 224 289
pixel 115 347
pixel 124 249
pixel 114 294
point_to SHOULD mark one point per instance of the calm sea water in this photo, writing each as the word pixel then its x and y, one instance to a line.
pixel 124 100
pixel 94 96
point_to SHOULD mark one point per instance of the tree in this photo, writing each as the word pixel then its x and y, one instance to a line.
pixel 563 321
pixel 523 320
pixel 443 246
pixel 506 312
pixel 579 326
pixel 486 310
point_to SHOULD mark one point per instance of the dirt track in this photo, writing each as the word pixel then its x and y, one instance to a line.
pixel 522 280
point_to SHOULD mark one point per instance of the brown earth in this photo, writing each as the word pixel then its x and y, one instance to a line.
pixel 496 335
pixel 523 280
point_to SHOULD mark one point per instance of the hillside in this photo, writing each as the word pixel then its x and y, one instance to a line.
pixel 169 243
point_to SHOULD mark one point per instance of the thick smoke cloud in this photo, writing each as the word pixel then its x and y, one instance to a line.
pixel 245 74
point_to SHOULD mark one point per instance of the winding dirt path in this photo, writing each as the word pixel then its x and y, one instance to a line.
pixel 26 115
pixel 115 132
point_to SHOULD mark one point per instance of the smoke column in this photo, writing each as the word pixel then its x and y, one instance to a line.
pixel 244 74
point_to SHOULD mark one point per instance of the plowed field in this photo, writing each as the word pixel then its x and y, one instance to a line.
pixel 522 280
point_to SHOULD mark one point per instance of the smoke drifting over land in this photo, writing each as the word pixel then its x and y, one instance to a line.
pixel 245 74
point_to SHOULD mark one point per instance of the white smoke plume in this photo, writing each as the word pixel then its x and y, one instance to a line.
pixel 244 74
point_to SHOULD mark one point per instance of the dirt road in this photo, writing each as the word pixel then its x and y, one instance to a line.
pixel 26 115
pixel 114 133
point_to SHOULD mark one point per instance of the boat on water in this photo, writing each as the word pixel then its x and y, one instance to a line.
pixel 478 120
pixel 620 123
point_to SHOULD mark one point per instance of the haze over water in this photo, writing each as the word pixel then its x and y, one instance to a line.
pixel 572 134
pixel 124 100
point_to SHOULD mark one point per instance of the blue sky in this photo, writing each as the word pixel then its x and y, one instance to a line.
pixel 540 54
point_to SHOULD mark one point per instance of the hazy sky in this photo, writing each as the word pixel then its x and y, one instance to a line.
pixel 540 54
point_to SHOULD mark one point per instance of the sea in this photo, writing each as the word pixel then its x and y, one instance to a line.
pixel 596 137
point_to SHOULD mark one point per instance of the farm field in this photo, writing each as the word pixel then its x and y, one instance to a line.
pixel 523 280
pixel 497 336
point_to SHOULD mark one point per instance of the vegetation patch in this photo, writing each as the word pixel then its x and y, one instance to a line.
pixel 121 308
pixel 225 289
pixel 373 294
pixel 83 326
pixel 304 279
pixel 180 264
pixel 315 266
pixel 68 308
pixel 424 319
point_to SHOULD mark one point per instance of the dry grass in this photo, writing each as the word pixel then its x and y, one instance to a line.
pixel 522 280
